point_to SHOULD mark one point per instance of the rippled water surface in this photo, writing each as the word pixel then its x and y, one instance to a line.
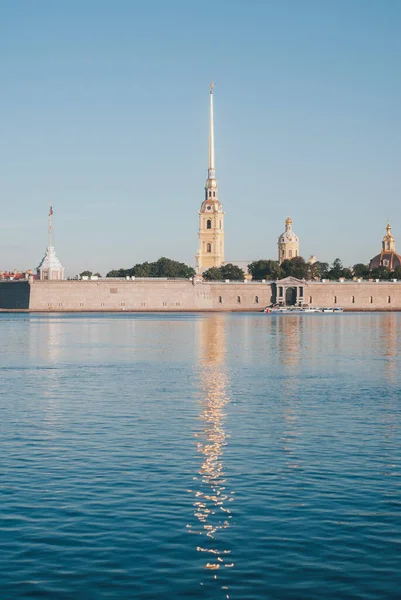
pixel 200 456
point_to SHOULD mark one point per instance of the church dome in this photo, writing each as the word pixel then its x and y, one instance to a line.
pixel 388 257
pixel 288 236
pixel 391 260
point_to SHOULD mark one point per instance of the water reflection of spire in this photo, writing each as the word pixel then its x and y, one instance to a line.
pixel 288 336
pixel 212 497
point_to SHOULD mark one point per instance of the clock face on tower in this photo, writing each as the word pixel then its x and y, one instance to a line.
pixel 208 207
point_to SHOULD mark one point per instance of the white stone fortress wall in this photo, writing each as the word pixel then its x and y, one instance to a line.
pixel 184 295
pixel 148 295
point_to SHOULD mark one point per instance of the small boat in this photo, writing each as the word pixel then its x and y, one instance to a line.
pixel 290 310
pixel 300 310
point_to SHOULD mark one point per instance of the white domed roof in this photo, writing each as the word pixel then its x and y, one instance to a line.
pixel 50 260
pixel 288 236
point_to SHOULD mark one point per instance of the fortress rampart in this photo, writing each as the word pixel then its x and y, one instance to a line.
pixel 183 295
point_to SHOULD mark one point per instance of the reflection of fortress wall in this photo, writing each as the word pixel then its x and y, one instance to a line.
pixel 179 295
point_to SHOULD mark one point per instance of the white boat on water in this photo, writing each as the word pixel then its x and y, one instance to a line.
pixel 299 310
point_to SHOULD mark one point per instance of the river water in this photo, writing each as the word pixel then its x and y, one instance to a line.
pixel 209 456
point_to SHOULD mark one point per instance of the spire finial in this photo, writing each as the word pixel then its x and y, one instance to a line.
pixel 211 168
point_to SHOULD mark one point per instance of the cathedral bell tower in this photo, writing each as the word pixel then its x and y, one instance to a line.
pixel 211 215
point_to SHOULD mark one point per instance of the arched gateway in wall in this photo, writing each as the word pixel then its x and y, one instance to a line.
pixel 289 291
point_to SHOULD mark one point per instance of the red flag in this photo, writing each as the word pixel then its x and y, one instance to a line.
pixel 51 211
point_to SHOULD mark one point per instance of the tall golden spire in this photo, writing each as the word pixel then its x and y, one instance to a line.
pixel 211 167
pixel 211 215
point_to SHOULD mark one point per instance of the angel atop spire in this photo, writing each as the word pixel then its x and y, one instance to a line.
pixel 212 86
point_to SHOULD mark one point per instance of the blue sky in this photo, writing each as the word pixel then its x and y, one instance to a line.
pixel 104 113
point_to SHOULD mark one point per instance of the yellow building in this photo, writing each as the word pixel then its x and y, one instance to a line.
pixel 288 243
pixel 211 215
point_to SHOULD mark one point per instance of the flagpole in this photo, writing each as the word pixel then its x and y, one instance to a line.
pixel 51 226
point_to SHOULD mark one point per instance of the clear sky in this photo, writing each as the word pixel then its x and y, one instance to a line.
pixel 104 113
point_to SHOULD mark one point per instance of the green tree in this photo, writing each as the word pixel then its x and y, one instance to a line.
pixel 336 270
pixel 97 275
pixel 397 273
pixel 360 270
pixel 164 267
pixel 143 270
pixel 86 274
pixel 117 273
pixel 265 269
pixel 232 272
pixel 295 267
pixel 213 274
pixel 322 269
pixel 299 267
pixel 381 273
pixel 286 267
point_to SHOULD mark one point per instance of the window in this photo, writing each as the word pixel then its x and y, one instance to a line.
pixel 296 252
pixel 220 223
pixel 370 299
pixel 209 248
pixel 310 299
pixel 256 299
pixel 208 224
pixel 335 299
pixel 214 194
pixel 239 299
pixel 220 300
pixel 388 299
pixel 210 194
pixel 290 253
pixel 353 299
pixel 282 252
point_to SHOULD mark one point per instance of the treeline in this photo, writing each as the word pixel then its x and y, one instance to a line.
pixel 259 269
pixel 228 271
pixel 164 267
pixel 297 267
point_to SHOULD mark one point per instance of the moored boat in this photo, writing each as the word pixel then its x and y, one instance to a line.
pixel 300 310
